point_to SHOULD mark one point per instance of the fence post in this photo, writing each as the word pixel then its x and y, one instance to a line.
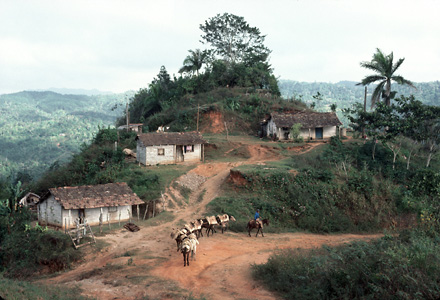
pixel 146 211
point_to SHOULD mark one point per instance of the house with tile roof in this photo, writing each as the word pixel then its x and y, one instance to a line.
pixel 314 125
pixel 63 205
pixel 169 147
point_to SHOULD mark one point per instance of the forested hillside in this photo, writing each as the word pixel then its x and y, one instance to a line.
pixel 38 129
pixel 345 93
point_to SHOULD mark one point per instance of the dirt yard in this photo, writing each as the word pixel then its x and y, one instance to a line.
pixel 146 265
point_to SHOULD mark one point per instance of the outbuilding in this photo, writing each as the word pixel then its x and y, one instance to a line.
pixel 314 125
pixel 112 202
pixel 169 147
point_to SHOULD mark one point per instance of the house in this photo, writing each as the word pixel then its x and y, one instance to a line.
pixel 169 147
pixel 314 125
pixel 63 205
pixel 30 200
pixel 136 127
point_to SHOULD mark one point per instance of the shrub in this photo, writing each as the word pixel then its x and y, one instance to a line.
pixel 404 267
pixel 26 252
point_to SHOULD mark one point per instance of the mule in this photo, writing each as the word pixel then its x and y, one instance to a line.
pixel 253 224
pixel 189 244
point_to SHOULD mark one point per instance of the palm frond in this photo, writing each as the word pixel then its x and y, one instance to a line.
pixel 400 80
pixel 397 65
pixel 371 79
pixel 377 93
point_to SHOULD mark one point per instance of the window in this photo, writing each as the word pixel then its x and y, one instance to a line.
pixel 112 209
pixel 160 151
pixel 189 148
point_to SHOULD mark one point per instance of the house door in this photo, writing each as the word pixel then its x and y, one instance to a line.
pixel 81 215
pixel 179 153
pixel 319 133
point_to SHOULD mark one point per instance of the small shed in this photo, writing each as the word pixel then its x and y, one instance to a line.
pixel 63 205
pixel 169 147
pixel 136 127
pixel 314 125
pixel 30 200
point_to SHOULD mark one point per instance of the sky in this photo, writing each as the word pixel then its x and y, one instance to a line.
pixel 116 45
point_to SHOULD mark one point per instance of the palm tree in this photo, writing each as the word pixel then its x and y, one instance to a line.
pixel 194 61
pixel 385 69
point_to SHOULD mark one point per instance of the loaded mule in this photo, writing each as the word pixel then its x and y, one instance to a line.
pixel 189 244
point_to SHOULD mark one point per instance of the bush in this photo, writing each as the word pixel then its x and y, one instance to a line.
pixel 26 252
pixel 405 267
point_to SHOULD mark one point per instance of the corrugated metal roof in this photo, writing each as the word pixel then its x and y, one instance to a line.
pixel 93 196
pixel 306 119
pixel 170 138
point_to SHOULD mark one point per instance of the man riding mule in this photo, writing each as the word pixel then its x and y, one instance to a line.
pixel 257 218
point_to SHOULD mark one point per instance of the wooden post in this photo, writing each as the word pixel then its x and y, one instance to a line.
pixel 128 118
pixel 198 110
pixel 137 211
pixel 227 133
pixel 203 152
pixel 65 225
pixel 100 222
pixel 70 217
pixel 108 221
pixel 365 109
pixel 154 207
pixel 146 211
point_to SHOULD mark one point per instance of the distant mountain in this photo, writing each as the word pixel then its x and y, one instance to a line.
pixel 345 93
pixel 66 91
pixel 348 91
pixel 38 128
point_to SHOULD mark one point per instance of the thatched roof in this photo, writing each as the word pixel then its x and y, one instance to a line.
pixel 306 119
pixel 170 138
pixel 93 196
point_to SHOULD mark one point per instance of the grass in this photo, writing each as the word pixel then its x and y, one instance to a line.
pixel 23 290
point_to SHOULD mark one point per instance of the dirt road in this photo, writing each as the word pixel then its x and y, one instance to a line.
pixel 146 265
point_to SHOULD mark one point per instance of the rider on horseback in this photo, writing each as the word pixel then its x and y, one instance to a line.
pixel 257 218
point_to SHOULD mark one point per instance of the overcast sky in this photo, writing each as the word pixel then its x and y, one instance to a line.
pixel 117 46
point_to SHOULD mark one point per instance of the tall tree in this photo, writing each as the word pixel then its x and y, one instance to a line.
pixel 385 73
pixel 234 39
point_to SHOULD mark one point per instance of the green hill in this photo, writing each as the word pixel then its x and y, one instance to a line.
pixel 40 128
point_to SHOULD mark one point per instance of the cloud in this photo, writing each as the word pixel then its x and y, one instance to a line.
pixel 120 45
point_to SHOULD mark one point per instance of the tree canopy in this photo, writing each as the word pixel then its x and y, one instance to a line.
pixel 234 39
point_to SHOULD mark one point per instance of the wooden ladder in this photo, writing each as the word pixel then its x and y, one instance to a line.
pixel 81 231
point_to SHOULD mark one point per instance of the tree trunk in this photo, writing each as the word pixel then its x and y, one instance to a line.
pixel 374 147
pixel 409 159
pixel 429 159
pixel 431 148
pixel 388 93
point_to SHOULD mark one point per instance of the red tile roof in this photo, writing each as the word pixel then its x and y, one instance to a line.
pixel 92 196
pixel 170 138
pixel 306 119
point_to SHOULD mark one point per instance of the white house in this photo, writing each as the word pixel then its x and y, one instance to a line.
pixel 63 205
pixel 314 125
pixel 169 147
